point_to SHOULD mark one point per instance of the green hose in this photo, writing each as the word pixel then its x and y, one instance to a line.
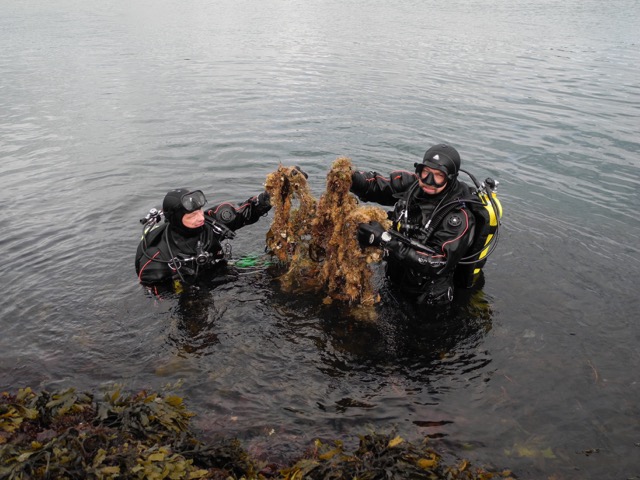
pixel 252 261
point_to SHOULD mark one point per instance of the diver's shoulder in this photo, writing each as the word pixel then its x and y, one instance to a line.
pixel 154 234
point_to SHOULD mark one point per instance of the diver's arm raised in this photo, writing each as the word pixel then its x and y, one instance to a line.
pixel 237 216
pixel 373 187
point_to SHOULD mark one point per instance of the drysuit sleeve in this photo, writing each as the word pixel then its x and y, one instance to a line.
pixel 373 187
pixel 237 216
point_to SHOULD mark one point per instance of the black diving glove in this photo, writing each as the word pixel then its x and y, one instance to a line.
pixel 398 249
pixel 405 253
pixel 260 205
pixel 263 200
pixel 358 182
pixel 369 234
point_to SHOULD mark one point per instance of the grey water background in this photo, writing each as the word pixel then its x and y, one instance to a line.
pixel 104 106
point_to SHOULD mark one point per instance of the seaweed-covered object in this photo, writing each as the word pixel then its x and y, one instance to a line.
pixel 294 209
pixel 317 241
pixel 346 272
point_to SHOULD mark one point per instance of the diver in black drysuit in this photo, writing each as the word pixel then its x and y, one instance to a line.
pixel 429 211
pixel 190 240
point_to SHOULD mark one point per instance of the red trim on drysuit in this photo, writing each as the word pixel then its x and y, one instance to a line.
pixel 449 241
pixel 145 265
pixel 466 227
pixel 237 209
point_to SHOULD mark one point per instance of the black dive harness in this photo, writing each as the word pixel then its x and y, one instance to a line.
pixel 202 257
pixel 481 197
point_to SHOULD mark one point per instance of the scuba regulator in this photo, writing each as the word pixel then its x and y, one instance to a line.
pixel 201 257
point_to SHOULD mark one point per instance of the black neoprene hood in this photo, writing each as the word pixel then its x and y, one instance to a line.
pixel 172 206
pixel 443 157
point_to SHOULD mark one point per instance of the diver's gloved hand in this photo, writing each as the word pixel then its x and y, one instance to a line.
pixel 358 182
pixel 405 253
pixel 369 234
pixel 263 200
pixel 398 249
pixel 260 205
pixel 301 171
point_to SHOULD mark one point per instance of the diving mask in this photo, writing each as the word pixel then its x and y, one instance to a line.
pixel 429 179
pixel 193 201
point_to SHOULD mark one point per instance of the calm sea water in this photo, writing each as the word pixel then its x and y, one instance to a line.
pixel 104 106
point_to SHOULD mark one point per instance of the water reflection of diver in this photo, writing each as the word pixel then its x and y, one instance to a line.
pixel 442 230
pixel 195 317
pixel 190 240
pixel 400 342
pixel 448 343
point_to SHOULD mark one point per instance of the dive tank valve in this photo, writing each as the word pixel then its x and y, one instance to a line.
pixel 154 215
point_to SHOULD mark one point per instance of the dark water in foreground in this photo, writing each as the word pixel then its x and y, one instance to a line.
pixel 104 106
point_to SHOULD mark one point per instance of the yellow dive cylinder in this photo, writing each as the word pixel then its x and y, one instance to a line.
pixel 493 217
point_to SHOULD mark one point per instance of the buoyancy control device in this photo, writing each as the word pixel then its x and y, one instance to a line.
pixel 488 213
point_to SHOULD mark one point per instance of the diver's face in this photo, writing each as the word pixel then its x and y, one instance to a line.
pixel 437 177
pixel 193 219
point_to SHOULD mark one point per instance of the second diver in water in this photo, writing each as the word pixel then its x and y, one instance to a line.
pixel 189 241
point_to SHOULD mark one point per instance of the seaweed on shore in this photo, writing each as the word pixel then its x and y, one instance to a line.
pixel 383 456
pixel 73 435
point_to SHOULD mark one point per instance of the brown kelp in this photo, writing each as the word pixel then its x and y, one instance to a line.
pixel 382 456
pixel 317 241
pixel 73 435
pixel 288 239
